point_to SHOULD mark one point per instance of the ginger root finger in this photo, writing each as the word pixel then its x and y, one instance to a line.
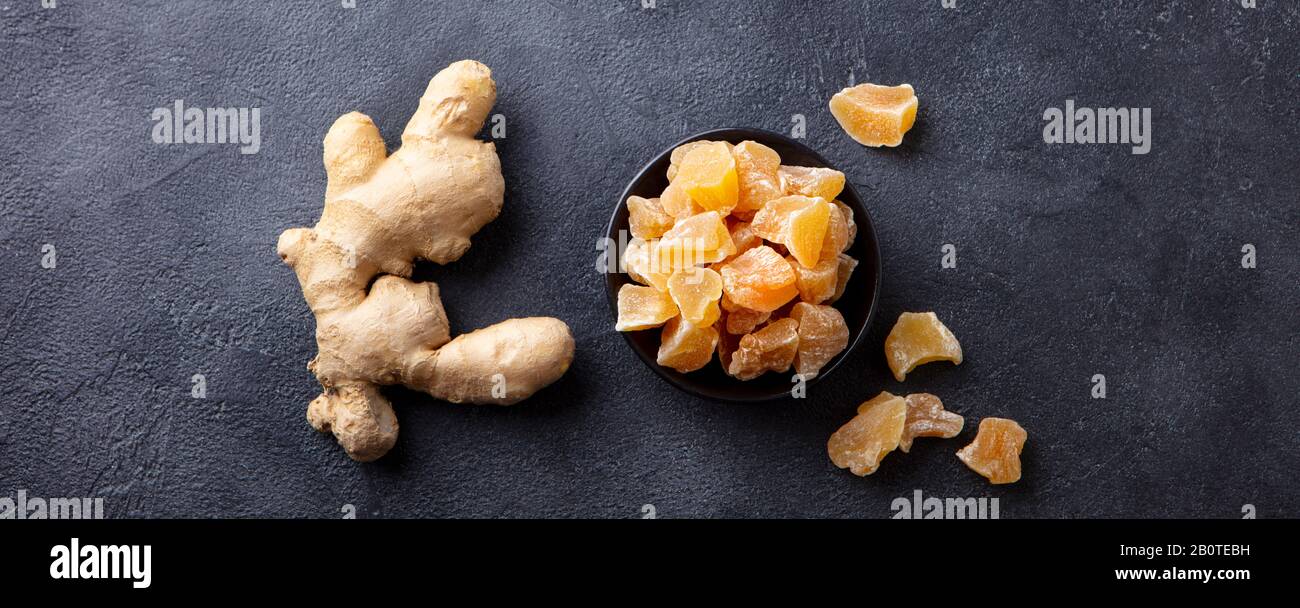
pixel 361 419
pixel 353 149
pixel 501 364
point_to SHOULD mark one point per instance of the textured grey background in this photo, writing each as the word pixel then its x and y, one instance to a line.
pixel 1073 260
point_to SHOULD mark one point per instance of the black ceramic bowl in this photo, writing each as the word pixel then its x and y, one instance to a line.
pixel 857 304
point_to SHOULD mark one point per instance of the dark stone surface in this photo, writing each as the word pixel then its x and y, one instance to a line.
pixel 1073 260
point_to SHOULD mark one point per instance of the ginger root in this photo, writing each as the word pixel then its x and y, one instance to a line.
pixel 374 326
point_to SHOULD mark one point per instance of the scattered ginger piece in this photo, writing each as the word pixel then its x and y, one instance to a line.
pixel 919 338
pixel 864 441
pixel 995 453
pixel 927 418
pixel 875 115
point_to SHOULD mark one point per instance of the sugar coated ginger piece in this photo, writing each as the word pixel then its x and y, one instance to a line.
pixel 842 275
pixel 852 223
pixel 919 338
pixel 995 453
pixel 700 239
pixel 742 321
pixel 686 347
pixel 708 174
pixel 641 307
pixel 813 182
pixel 677 203
pixel 816 284
pixel 742 236
pixel 696 292
pixel 642 264
pixel 864 441
pixel 823 334
pixel 875 115
pixel 679 153
pixel 772 348
pixel 772 221
pixel 756 170
pixel 647 219
pixel 838 236
pixel 727 344
pixel 927 418
pixel 759 279
pixel 806 232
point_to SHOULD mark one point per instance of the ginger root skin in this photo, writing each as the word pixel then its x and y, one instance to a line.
pixel 374 326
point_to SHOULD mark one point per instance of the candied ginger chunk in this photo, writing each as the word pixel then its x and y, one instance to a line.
pixel 696 292
pixel 822 335
pixel 919 338
pixel 647 219
pixel 772 348
pixel 759 279
pixel 708 174
pixel 642 307
pixel 995 453
pixel 875 115
pixel 813 182
pixel 864 441
pixel 927 418
pixel 686 347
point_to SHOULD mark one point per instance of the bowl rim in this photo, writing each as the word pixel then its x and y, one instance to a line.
pixel 726 134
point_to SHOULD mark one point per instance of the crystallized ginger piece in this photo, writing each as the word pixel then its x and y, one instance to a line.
pixel 927 418
pixel 641 264
pixel 864 441
pixel 727 345
pixel 816 284
pixel 686 347
pixel 875 115
pixel 772 221
pixel 838 235
pixel 643 308
pixel 708 174
pixel 919 338
pixel 647 219
pixel 696 292
pixel 852 222
pixel 814 182
pixel 823 334
pixel 743 320
pixel 759 279
pixel 806 232
pixel 743 237
pixel 995 453
pixel 700 239
pixel 772 348
pixel 677 203
pixel 679 153
pixel 756 169
pixel 842 276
